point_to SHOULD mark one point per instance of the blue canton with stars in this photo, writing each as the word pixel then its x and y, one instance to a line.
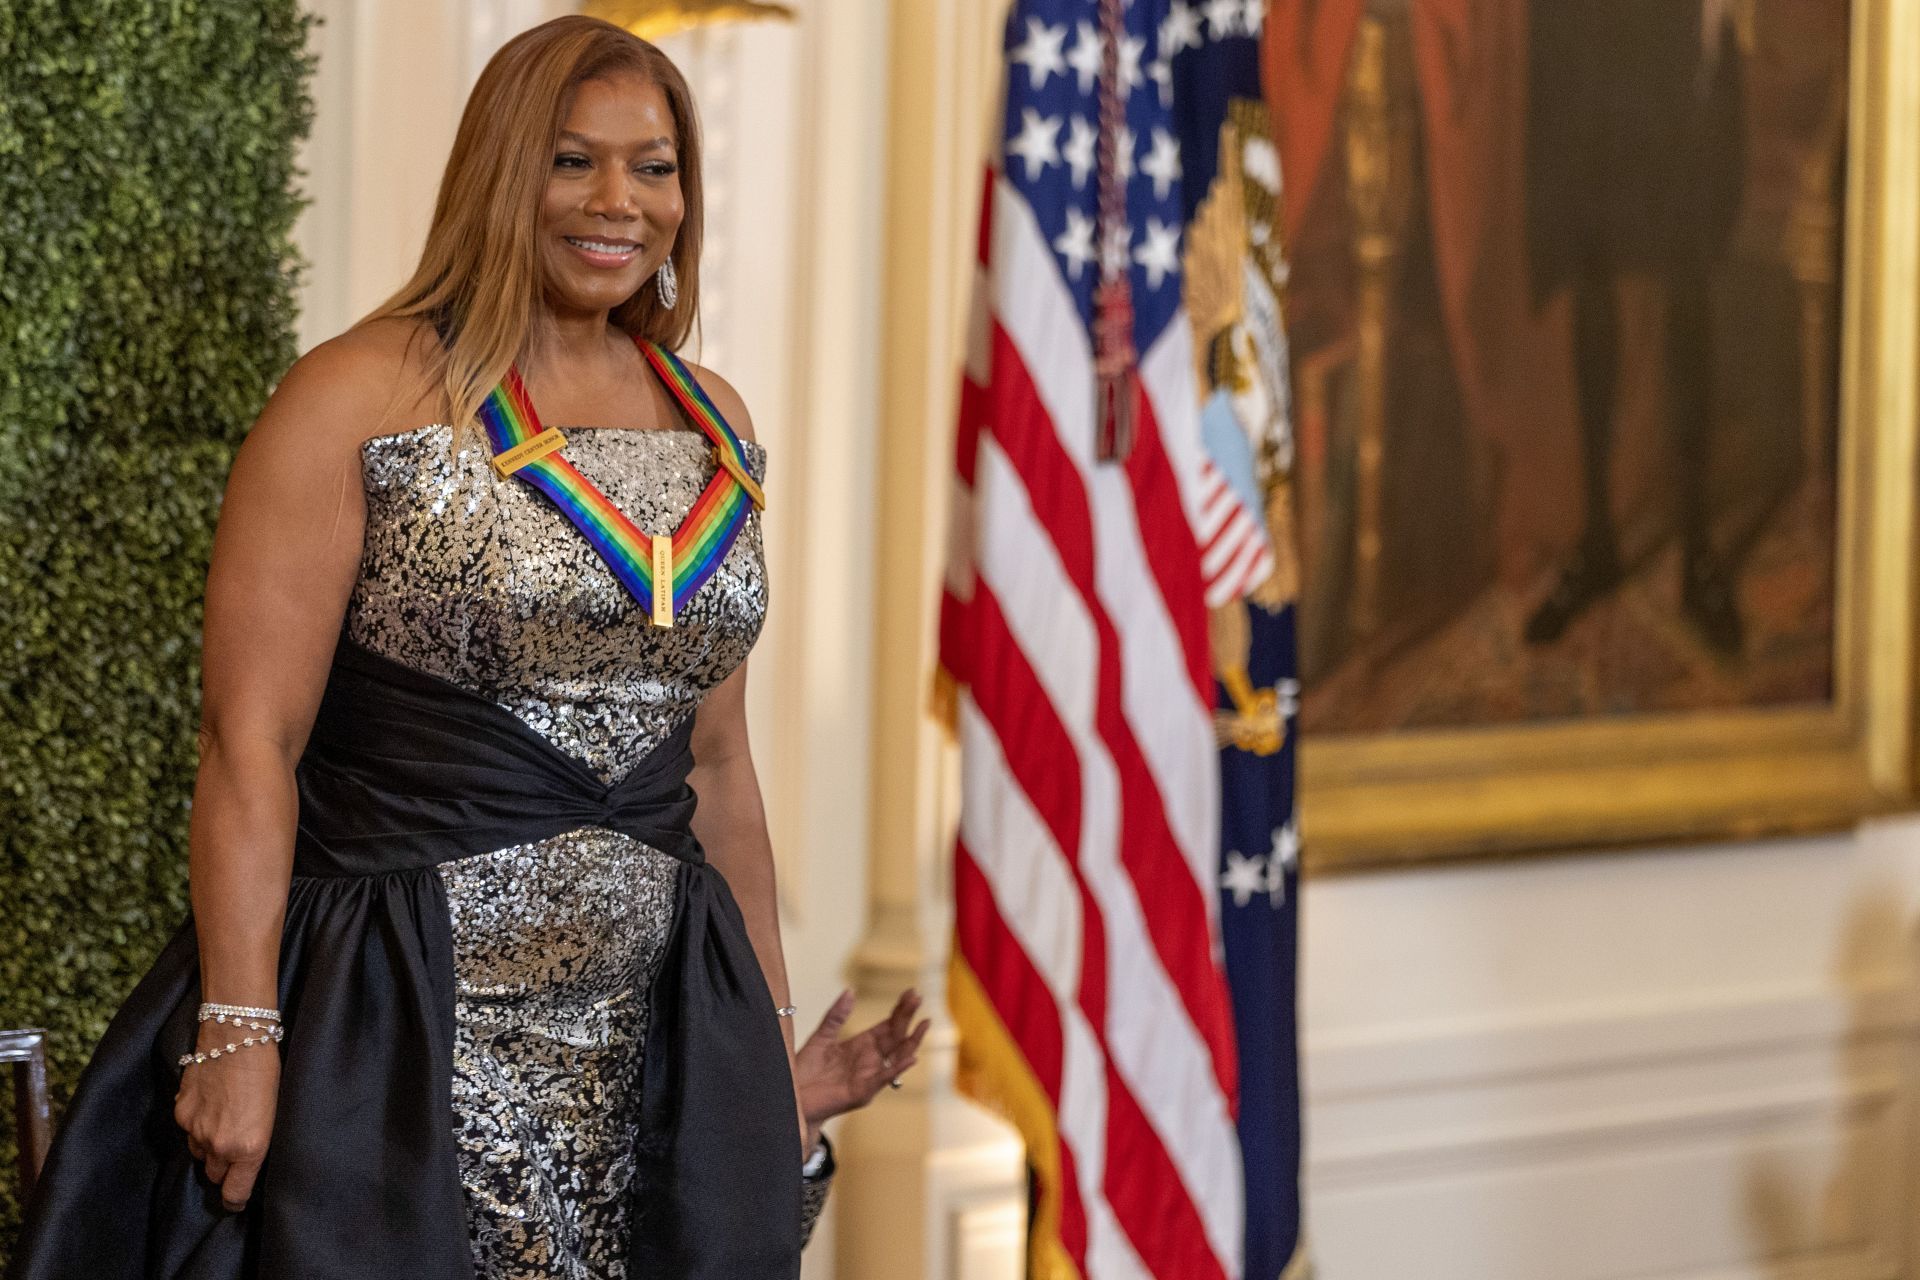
pixel 1179 61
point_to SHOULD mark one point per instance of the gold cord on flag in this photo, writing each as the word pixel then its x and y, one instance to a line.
pixel 1115 366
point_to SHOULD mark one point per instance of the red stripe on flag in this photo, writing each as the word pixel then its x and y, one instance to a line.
pixel 1177 917
pixel 1026 1008
pixel 1040 755
pixel 1172 556
pixel 1174 1242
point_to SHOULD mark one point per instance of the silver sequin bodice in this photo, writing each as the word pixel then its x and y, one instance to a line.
pixel 482 582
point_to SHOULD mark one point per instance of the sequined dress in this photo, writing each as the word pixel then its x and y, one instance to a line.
pixel 476 599
pixel 482 583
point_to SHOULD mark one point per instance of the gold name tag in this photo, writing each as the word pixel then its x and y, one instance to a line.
pixel 548 441
pixel 731 465
pixel 662 580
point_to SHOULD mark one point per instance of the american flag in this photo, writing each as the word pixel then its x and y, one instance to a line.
pixel 1088 979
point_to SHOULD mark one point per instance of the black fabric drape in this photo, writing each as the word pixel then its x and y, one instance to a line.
pixel 405 771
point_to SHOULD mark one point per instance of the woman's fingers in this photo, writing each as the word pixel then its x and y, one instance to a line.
pixel 217 1166
pixel 891 1035
pixel 238 1185
pixel 836 1017
pixel 903 1011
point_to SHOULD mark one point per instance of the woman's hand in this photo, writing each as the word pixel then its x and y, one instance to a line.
pixel 834 1076
pixel 226 1106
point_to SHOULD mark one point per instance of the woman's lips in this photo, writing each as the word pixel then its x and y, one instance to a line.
pixel 603 253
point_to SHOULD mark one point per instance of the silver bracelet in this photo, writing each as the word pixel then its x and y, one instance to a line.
pixel 269 1032
pixel 222 1012
pixel 786 1011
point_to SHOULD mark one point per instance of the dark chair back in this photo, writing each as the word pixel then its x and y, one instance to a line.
pixel 33 1120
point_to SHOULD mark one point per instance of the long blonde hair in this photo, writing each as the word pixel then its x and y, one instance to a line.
pixel 479 275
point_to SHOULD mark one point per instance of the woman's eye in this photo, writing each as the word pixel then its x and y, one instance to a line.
pixel 569 160
pixel 660 169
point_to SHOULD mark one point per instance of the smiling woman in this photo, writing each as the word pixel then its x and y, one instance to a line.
pixel 480 868
pixel 594 132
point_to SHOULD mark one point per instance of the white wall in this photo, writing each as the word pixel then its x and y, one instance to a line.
pixel 1689 1063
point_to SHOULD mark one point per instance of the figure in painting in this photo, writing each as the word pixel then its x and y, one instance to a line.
pixel 1634 149
pixel 1564 321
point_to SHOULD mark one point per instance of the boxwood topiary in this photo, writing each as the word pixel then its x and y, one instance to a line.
pixel 146 308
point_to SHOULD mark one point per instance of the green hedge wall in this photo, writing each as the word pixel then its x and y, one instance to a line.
pixel 146 308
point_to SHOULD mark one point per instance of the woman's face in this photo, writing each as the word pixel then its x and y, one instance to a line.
pixel 612 203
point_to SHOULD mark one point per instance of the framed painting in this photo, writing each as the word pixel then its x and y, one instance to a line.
pixel 1603 324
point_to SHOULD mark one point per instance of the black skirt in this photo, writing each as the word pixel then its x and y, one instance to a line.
pixel 403 772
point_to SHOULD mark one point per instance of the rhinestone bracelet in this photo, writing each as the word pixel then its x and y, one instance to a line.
pixel 221 1012
pixel 786 1011
pixel 269 1031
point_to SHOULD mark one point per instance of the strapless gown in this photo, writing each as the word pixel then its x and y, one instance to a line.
pixel 535 977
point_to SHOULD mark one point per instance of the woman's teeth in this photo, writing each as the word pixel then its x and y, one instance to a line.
pixel 602 246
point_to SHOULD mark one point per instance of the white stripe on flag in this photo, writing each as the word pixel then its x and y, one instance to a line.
pixel 1156 1047
pixel 1034 894
pixel 1175 732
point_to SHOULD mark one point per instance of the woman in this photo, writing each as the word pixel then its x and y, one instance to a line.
pixel 471 985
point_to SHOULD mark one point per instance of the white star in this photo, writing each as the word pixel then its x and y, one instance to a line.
pixel 1162 164
pixel 1080 150
pixel 1130 50
pixel 1284 859
pixel 1123 154
pixel 1037 142
pixel 1118 249
pixel 1288 692
pixel 1088 50
pixel 1286 845
pixel 1244 877
pixel 1160 71
pixel 1159 253
pixel 1253 17
pixel 1180 29
pixel 1223 16
pixel 1041 52
pixel 1075 244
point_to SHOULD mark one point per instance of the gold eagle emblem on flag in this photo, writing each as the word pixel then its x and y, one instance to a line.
pixel 1235 275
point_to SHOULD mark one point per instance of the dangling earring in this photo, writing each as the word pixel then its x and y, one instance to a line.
pixel 669 284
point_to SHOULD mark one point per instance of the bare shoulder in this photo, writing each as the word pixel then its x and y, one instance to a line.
pixel 725 399
pixel 373 378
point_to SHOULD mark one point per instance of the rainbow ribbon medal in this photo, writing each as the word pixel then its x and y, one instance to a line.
pixel 661 571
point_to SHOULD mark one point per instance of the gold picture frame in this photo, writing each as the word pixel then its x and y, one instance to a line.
pixel 1417 796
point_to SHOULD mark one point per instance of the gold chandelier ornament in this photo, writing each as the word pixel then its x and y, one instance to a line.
pixel 651 19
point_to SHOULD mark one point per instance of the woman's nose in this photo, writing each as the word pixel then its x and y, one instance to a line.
pixel 612 194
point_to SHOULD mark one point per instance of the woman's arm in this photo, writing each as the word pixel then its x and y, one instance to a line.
pixel 731 820
pixel 284 560
pixel 731 825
